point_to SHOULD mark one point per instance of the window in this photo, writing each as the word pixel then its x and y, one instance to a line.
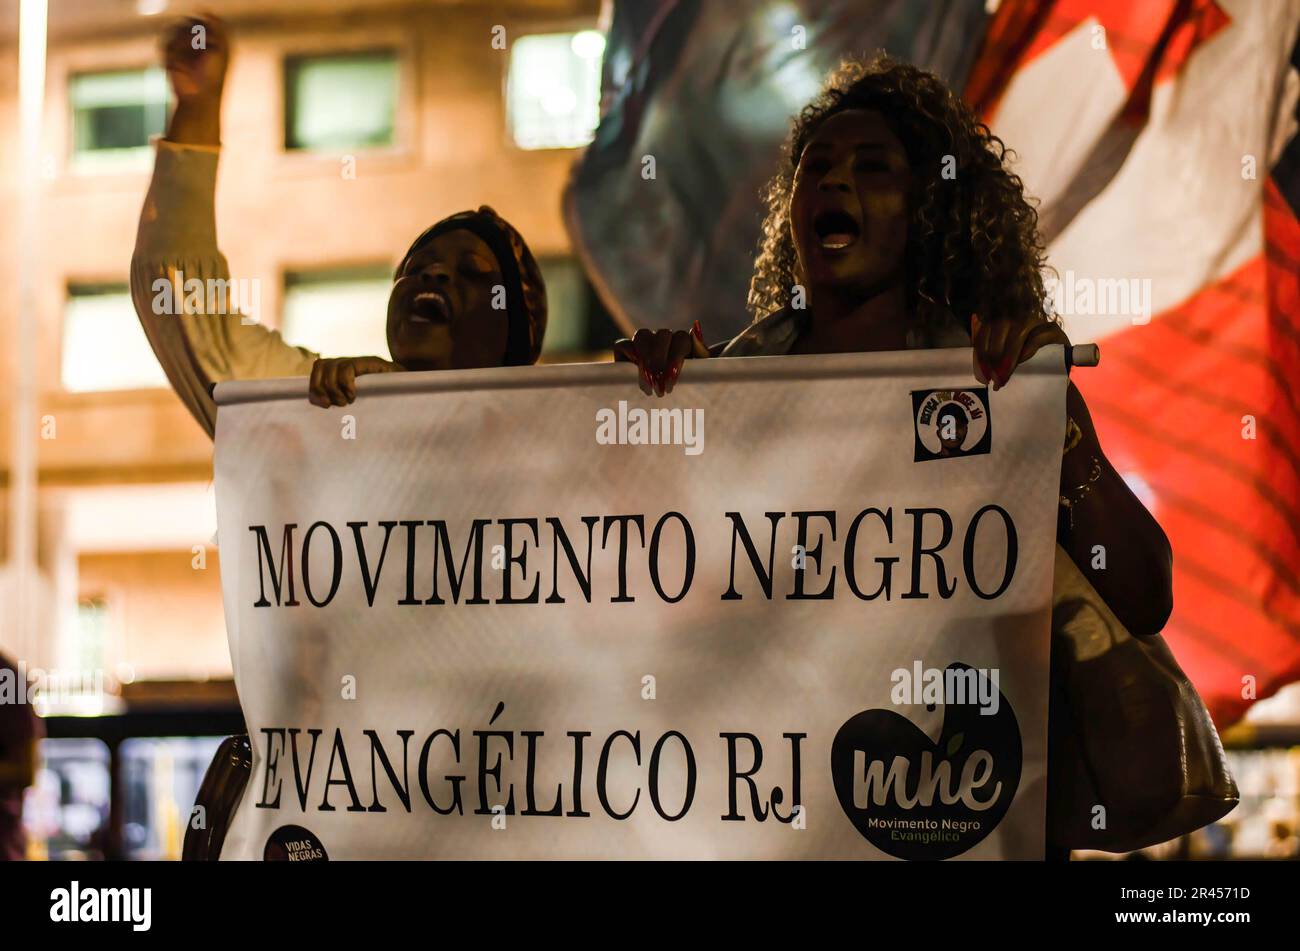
pixel 343 312
pixel 104 346
pixel 339 313
pixel 567 306
pixel 114 114
pixel 340 102
pixel 553 89
pixel 577 323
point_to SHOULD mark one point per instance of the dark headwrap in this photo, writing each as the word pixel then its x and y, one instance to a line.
pixel 525 289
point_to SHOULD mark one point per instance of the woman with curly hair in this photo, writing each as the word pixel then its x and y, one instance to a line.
pixel 895 202
pixel 895 224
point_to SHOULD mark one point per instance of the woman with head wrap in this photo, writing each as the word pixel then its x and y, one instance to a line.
pixel 467 294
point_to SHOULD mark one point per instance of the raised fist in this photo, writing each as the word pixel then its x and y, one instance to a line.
pixel 196 53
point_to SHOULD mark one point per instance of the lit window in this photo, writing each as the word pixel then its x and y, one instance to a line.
pixel 338 313
pixel 114 114
pixel 553 90
pixel 341 101
pixel 104 346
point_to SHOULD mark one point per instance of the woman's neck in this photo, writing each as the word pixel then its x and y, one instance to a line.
pixel 852 326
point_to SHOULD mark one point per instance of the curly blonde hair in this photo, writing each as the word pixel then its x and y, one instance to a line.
pixel 973 242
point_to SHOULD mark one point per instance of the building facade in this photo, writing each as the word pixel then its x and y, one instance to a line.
pixel 348 128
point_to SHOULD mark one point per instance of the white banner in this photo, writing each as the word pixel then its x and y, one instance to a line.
pixel 797 609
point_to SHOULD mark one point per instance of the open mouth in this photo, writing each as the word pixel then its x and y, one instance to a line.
pixel 429 307
pixel 835 230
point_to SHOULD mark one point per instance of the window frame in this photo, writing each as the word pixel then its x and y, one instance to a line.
pixel 402 152
pixel 289 60
pixel 77 285
pixel 292 273
pixel 139 161
pixel 516 32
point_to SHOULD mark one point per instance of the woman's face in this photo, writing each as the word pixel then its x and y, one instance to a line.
pixel 440 313
pixel 849 206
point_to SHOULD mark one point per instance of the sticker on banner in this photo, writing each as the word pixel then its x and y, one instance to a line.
pixel 294 844
pixel 951 423
pixel 917 798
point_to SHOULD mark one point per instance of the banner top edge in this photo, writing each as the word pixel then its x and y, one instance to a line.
pixel 953 360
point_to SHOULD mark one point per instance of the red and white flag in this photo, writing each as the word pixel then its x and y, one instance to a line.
pixel 1160 137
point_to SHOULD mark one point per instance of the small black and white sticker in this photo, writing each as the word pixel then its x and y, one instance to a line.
pixel 951 423
pixel 294 844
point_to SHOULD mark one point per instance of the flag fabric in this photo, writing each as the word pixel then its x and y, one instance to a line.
pixel 1160 138
pixel 663 207
pixel 571 632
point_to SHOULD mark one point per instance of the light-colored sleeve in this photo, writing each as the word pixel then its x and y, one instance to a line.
pixel 199 338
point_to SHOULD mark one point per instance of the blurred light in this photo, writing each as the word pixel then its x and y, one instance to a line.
pixel 125 673
pixel 149 8
pixel 588 44
pixel 31 75
pixel 553 92
pixel 104 346
pixel 559 101
pixel 782 17
pixel 106 519
pixel 1141 488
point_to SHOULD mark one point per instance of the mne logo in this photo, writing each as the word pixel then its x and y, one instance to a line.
pixel 951 423
pixel 917 799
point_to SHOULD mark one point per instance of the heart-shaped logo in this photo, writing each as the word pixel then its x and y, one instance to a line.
pixel 915 799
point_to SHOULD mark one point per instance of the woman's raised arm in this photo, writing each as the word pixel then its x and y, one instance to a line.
pixel 202 333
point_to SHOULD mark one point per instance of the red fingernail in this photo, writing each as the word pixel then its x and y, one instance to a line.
pixel 673 374
pixel 696 332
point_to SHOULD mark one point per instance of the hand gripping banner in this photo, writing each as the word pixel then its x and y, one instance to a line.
pixel 797 609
